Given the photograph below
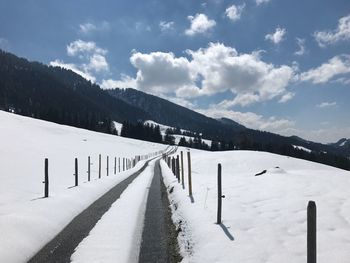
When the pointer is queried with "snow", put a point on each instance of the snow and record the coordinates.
(118, 235)
(187, 138)
(264, 217)
(118, 126)
(343, 143)
(302, 148)
(27, 221)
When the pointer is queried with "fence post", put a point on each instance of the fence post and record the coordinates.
(218, 221)
(76, 172)
(189, 173)
(89, 169)
(99, 166)
(46, 181)
(182, 170)
(123, 164)
(107, 165)
(311, 232)
(178, 169)
(173, 165)
(119, 163)
(115, 165)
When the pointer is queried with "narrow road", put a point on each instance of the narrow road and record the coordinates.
(62, 246)
(159, 237)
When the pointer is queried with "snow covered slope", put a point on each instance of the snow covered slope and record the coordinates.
(264, 217)
(27, 221)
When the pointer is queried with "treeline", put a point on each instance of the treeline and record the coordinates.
(142, 131)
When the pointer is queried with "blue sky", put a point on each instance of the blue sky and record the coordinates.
(281, 66)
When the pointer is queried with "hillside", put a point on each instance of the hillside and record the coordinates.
(27, 221)
(263, 217)
(59, 95)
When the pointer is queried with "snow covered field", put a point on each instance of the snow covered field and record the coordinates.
(27, 221)
(264, 217)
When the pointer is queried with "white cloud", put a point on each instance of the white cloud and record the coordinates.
(301, 44)
(259, 2)
(322, 74)
(217, 68)
(91, 57)
(74, 68)
(276, 37)
(4, 43)
(80, 46)
(286, 97)
(166, 26)
(326, 104)
(89, 28)
(344, 81)
(245, 75)
(252, 120)
(160, 72)
(341, 33)
(124, 83)
(98, 63)
(200, 24)
(234, 12)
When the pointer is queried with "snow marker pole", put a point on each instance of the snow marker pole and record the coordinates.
(107, 165)
(311, 232)
(182, 170)
(99, 166)
(189, 173)
(220, 196)
(46, 181)
(89, 169)
(76, 172)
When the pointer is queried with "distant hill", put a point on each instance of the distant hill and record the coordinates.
(59, 95)
(171, 114)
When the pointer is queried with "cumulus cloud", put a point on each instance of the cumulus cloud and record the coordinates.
(286, 97)
(211, 70)
(252, 120)
(322, 74)
(245, 75)
(124, 83)
(200, 24)
(301, 45)
(83, 47)
(234, 12)
(326, 104)
(277, 36)
(91, 57)
(341, 33)
(166, 26)
(160, 72)
(74, 68)
(259, 2)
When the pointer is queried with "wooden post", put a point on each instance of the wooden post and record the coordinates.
(89, 169)
(311, 232)
(115, 165)
(99, 166)
(178, 168)
(46, 178)
(119, 163)
(218, 221)
(173, 165)
(107, 165)
(182, 170)
(76, 172)
(189, 173)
